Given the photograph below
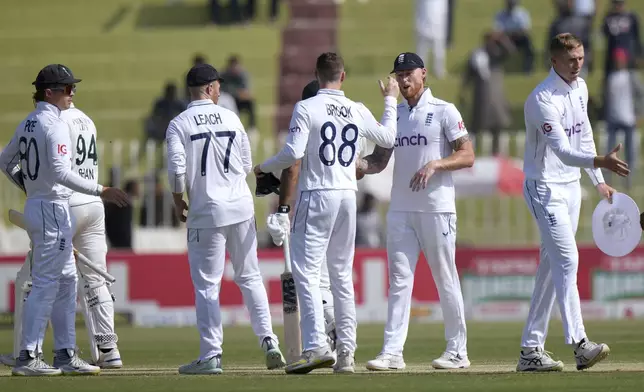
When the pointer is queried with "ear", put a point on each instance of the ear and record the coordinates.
(343, 76)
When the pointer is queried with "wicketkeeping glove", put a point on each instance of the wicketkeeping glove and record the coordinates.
(278, 225)
(266, 184)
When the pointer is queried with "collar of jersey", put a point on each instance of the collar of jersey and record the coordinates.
(560, 83)
(47, 107)
(201, 102)
(330, 91)
(424, 98)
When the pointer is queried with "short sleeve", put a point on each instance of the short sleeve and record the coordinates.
(453, 125)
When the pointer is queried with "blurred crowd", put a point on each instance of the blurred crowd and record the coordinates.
(507, 47)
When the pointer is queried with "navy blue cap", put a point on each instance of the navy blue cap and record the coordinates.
(310, 90)
(55, 74)
(406, 61)
(202, 74)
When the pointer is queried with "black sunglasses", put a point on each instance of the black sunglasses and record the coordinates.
(68, 89)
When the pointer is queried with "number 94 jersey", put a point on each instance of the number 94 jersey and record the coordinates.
(83, 151)
(332, 126)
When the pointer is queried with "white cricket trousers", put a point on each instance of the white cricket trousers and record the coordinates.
(207, 256)
(325, 225)
(53, 275)
(409, 233)
(555, 206)
(96, 299)
(435, 45)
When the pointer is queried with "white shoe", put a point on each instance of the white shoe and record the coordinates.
(346, 362)
(386, 362)
(588, 353)
(110, 359)
(274, 357)
(211, 365)
(68, 361)
(451, 361)
(537, 360)
(34, 366)
(311, 360)
(8, 360)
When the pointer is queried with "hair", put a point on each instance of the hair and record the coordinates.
(233, 59)
(198, 59)
(564, 42)
(329, 66)
(39, 95)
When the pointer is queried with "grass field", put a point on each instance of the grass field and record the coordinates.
(152, 357)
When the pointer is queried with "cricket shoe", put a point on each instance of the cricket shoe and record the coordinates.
(68, 361)
(451, 361)
(8, 360)
(311, 360)
(346, 361)
(211, 365)
(386, 362)
(588, 353)
(274, 357)
(537, 360)
(109, 358)
(31, 365)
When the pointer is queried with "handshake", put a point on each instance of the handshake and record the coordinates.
(278, 225)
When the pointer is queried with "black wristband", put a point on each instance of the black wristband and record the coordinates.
(284, 209)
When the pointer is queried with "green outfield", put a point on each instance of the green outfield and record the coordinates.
(152, 357)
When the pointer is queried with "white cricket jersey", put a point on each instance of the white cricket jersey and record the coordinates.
(84, 151)
(324, 133)
(559, 137)
(424, 134)
(209, 157)
(41, 146)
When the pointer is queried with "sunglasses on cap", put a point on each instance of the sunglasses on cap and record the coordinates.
(67, 89)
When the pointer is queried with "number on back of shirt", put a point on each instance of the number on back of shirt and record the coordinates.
(86, 151)
(204, 153)
(343, 154)
(29, 157)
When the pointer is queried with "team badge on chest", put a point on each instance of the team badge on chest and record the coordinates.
(428, 120)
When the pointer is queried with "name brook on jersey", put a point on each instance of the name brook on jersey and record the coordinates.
(338, 111)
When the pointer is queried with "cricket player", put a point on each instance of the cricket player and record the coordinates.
(289, 180)
(432, 142)
(208, 158)
(323, 133)
(88, 224)
(559, 141)
(38, 160)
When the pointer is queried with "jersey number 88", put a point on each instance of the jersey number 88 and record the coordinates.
(329, 141)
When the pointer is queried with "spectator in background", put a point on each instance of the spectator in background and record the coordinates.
(368, 223)
(622, 31)
(484, 73)
(451, 12)
(431, 33)
(225, 100)
(624, 94)
(164, 110)
(514, 21)
(570, 22)
(118, 221)
(585, 9)
(251, 7)
(236, 83)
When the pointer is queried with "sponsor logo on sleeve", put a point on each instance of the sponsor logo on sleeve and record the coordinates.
(62, 149)
(546, 128)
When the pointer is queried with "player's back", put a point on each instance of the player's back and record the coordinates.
(32, 141)
(217, 161)
(335, 124)
(84, 151)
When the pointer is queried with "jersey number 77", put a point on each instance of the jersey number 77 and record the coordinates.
(204, 154)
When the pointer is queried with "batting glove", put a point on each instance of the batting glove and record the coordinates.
(278, 226)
